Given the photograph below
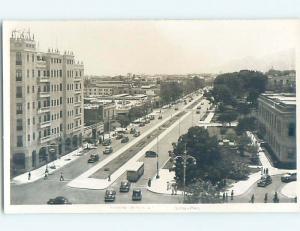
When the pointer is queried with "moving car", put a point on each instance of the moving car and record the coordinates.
(125, 139)
(264, 181)
(151, 117)
(93, 158)
(110, 195)
(199, 107)
(137, 133)
(125, 186)
(147, 121)
(59, 201)
(136, 195)
(160, 117)
(289, 177)
(132, 130)
(142, 124)
(108, 150)
(197, 112)
(106, 142)
(150, 154)
(176, 108)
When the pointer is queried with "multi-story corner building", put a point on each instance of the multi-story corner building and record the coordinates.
(277, 123)
(46, 103)
(282, 83)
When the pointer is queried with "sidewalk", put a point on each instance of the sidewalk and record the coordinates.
(160, 185)
(290, 190)
(52, 167)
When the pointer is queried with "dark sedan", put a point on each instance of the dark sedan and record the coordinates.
(59, 201)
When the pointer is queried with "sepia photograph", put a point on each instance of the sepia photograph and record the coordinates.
(150, 116)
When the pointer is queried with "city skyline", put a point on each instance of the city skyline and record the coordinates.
(170, 47)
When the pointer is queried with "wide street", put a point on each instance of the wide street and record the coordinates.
(40, 191)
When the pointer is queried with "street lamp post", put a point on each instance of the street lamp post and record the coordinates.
(157, 163)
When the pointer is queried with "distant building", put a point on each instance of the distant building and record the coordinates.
(282, 82)
(277, 124)
(46, 103)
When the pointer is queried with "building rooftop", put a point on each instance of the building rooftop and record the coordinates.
(282, 98)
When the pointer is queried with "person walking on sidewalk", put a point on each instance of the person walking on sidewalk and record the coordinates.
(109, 177)
(61, 177)
(252, 199)
(231, 196)
(168, 186)
(267, 171)
(29, 175)
(46, 176)
(266, 198)
(149, 182)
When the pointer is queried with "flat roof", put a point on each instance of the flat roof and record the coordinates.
(284, 98)
(135, 166)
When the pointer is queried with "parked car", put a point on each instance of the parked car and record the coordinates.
(59, 201)
(150, 154)
(176, 108)
(125, 186)
(289, 177)
(108, 150)
(119, 136)
(199, 107)
(264, 181)
(125, 139)
(151, 117)
(93, 158)
(197, 112)
(147, 121)
(110, 195)
(142, 124)
(160, 117)
(137, 133)
(136, 195)
(106, 142)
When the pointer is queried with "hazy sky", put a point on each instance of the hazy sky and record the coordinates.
(120, 47)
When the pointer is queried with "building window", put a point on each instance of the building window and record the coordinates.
(27, 73)
(28, 138)
(18, 58)
(19, 125)
(19, 108)
(32, 57)
(32, 89)
(28, 106)
(28, 89)
(18, 75)
(19, 92)
(39, 73)
(32, 73)
(27, 57)
(19, 141)
(33, 105)
(28, 121)
(291, 131)
(33, 136)
(33, 120)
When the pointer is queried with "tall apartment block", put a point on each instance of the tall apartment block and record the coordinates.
(46, 103)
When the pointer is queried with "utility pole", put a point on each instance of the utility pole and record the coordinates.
(157, 163)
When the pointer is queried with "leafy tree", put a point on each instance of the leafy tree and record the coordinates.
(246, 124)
(170, 91)
(228, 117)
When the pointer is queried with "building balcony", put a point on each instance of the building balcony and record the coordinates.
(77, 104)
(44, 79)
(77, 91)
(45, 139)
(78, 78)
(78, 116)
(44, 94)
(43, 110)
(45, 124)
(76, 129)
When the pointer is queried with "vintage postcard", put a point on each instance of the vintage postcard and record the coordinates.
(150, 116)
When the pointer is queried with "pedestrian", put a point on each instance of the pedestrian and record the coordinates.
(223, 197)
(61, 177)
(109, 177)
(267, 171)
(29, 175)
(46, 171)
(252, 199)
(276, 199)
(226, 196)
(149, 182)
(295, 199)
(264, 171)
(46, 176)
(173, 189)
(231, 195)
(168, 186)
(266, 198)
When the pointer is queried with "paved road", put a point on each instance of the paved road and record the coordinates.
(40, 191)
(259, 192)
